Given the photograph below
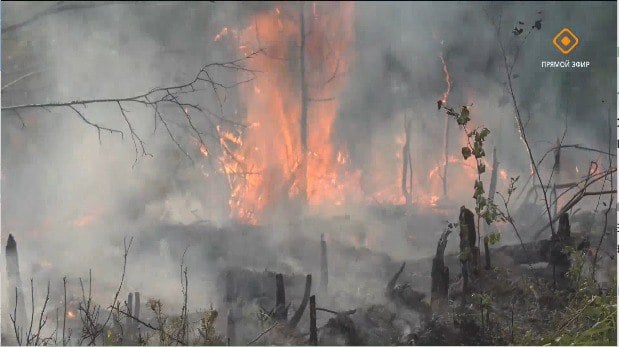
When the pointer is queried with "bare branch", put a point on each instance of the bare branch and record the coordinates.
(155, 97)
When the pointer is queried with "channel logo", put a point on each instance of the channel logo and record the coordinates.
(565, 41)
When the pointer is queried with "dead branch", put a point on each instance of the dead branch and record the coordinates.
(13, 317)
(508, 72)
(346, 313)
(148, 325)
(581, 147)
(21, 78)
(156, 97)
(56, 8)
(394, 279)
(115, 306)
(42, 321)
(578, 196)
(263, 333)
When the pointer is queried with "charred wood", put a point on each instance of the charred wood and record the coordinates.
(440, 275)
(281, 311)
(299, 313)
(404, 294)
(313, 339)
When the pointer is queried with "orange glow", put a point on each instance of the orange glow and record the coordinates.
(70, 314)
(262, 163)
(88, 219)
(447, 80)
(203, 150)
(503, 174)
(221, 34)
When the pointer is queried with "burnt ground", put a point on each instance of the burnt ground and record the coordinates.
(232, 269)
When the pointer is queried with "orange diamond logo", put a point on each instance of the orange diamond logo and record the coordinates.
(565, 41)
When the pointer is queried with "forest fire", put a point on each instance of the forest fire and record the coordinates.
(289, 153)
(265, 163)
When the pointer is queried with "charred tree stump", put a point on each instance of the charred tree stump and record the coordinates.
(558, 256)
(14, 282)
(129, 320)
(487, 253)
(469, 253)
(324, 265)
(313, 339)
(440, 275)
(133, 310)
(299, 313)
(136, 313)
(281, 311)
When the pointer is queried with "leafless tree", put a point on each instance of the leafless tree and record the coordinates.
(156, 98)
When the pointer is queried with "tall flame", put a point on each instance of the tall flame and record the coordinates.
(263, 163)
(447, 80)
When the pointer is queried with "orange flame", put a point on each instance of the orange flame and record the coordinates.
(263, 162)
(447, 80)
(88, 219)
(221, 34)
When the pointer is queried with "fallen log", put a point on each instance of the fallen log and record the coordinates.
(406, 295)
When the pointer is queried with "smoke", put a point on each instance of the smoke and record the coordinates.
(399, 73)
(70, 196)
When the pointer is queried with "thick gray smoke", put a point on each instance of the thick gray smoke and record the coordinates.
(70, 196)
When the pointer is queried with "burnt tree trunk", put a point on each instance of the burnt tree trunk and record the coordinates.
(487, 253)
(133, 309)
(136, 312)
(299, 313)
(440, 275)
(14, 282)
(281, 311)
(557, 174)
(313, 339)
(469, 253)
(324, 265)
(129, 320)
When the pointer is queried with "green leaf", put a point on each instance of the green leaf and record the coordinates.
(479, 189)
(466, 152)
(493, 238)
